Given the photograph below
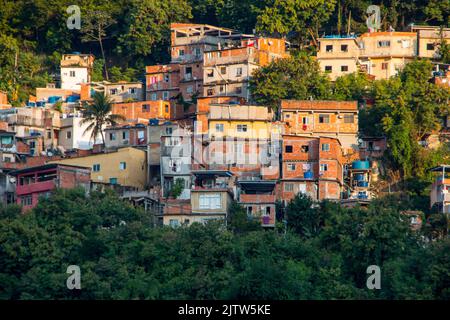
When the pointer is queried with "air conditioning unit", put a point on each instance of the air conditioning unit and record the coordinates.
(125, 142)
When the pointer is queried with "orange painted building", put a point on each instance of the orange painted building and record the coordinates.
(144, 110)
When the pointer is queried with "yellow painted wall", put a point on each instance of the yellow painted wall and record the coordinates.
(135, 174)
(255, 129)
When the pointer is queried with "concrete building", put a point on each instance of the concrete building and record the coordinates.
(121, 91)
(258, 197)
(428, 40)
(126, 135)
(313, 166)
(73, 134)
(35, 182)
(34, 122)
(440, 190)
(211, 195)
(384, 54)
(162, 82)
(338, 55)
(125, 167)
(142, 111)
(227, 71)
(175, 162)
(315, 118)
(76, 69)
(379, 54)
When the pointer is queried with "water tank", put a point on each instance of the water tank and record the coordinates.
(308, 175)
(153, 122)
(73, 98)
(363, 184)
(53, 99)
(360, 165)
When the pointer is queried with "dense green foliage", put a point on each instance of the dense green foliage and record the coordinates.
(323, 255)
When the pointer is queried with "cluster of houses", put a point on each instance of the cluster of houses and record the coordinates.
(193, 142)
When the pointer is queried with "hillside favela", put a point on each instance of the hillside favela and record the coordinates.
(224, 150)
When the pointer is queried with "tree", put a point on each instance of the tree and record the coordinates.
(353, 86)
(98, 115)
(304, 17)
(147, 25)
(94, 28)
(240, 222)
(177, 188)
(297, 77)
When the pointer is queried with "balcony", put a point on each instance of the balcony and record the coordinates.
(36, 187)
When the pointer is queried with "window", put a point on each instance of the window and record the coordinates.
(123, 166)
(145, 108)
(112, 136)
(223, 70)
(324, 118)
(166, 95)
(222, 88)
(430, 46)
(384, 43)
(384, 66)
(69, 135)
(169, 130)
(174, 223)
(113, 180)
(113, 91)
(288, 149)
(96, 167)
(124, 135)
(305, 120)
(153, 80)
(344, 68)
(181, 52)
(32, 144)
(324, 167)
(267, 212)
(49, 134)
(238, 72)
(166, 77)
(189, 89)
(131, 90)
(344, 48)
(140, 135)
(219, 127)
(210, 73)
(173, 141)
(26, 200)
(241, 128)
(329, 48)
(291, 166)
(210, 201)
(166, 109)
(239, 90)
(289, 187)
(325, 147)
(349, 118)
(72, 74)
(197, 52)
(154, 97)
(328, 68)
(305, 149)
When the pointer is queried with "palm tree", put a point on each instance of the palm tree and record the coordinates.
(98, 114)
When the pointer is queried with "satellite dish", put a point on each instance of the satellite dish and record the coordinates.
(12, 179)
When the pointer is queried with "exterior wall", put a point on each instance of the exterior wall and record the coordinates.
(225, 201)
(123, 91)
(82, 75)
(145, 110)
(125, 136)
(72, 134)
(429, 35)
(293, 112)
(134, 175)
(160, 79)
(337, 56)
(65, 177)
